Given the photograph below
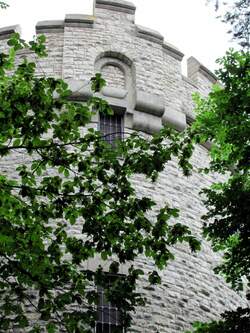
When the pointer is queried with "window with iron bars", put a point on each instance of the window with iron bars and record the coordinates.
(111, 127)
(108, 315)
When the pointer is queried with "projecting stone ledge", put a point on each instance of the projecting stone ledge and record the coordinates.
(50, 26)
(116, 5)
(6, 32)
(71, 20)
(149, 34)
(174, 119)
(79, 20)
(173, 51)
(149, 103)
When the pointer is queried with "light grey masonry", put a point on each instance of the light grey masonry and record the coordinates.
(150, 91)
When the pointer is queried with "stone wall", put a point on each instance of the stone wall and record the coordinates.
(149, 88)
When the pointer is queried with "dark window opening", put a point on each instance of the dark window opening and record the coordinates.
(106, 328)
(108, 315)
(111, 126)
(108, 318)
(189, 120)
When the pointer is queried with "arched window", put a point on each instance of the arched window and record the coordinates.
(117, 70)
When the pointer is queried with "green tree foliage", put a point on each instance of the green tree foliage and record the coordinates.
(3, 5)
(231, 322)
(237, 14)
(73, 180)
(224, 120)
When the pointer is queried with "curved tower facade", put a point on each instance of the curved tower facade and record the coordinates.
(147, 90)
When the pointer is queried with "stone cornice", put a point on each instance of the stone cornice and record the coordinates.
(71, 20)
(173, 51)
(50, 26)
(206, 72)
(6, 32)
(149, 34)
(117, 5)
(79, 20)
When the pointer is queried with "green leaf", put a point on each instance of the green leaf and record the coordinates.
(51, 328)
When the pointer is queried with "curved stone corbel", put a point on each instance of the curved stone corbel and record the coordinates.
(149, 103)
(145, 122)
(174, 119)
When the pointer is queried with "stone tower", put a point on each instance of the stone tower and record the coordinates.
(147, 90)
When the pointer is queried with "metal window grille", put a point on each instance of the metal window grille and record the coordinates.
(190, 120)
(111, 126)
(108, 315)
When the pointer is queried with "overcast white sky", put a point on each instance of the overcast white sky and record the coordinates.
(188, 24)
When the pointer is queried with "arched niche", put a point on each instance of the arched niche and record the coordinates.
(114, 75)
(119, 72)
